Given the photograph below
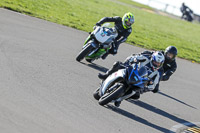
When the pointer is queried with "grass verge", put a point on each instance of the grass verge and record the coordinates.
(150, 30)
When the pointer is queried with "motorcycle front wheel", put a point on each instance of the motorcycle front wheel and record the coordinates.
(84, 52)
(112, 95)
(96, 94)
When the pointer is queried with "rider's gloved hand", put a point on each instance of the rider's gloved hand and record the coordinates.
(133, 60)
(94, 27)
(141, 60)
(98, 24)
(136, 60)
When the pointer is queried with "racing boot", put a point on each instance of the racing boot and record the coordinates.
(105, 55)
(144, 90)
(104, 76)
(115, 67)
(117, 103)
(136, 96)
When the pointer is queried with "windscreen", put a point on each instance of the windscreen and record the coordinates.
(109, 28)
(142, 72)
(108, 25)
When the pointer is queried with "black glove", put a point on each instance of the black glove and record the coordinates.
(141, 60)
(94, 27)
(98, 24)
(165, 78)
(135, 60)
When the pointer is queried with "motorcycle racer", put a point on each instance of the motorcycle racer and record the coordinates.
(153, 63)
(123, 27)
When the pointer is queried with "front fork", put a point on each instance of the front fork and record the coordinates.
(99, 51)
(87, 39)
(91, 42)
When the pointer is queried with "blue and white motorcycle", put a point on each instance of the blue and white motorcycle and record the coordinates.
(122, 84)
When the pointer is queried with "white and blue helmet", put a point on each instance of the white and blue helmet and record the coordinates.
(157, 60)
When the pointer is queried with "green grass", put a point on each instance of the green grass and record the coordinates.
(150, 30)
(133, 3)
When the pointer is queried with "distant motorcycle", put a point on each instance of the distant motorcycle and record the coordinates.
(98, 43)
(188, 15)
(122, 84)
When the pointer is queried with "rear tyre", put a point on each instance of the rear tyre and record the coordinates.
(109, 96)
(96, 94)
(84, 52)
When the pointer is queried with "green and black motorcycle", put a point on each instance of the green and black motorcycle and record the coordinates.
(98, 43)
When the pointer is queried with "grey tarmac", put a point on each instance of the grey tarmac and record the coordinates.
(43, 89)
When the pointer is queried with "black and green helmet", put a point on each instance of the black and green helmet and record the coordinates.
(127, 20)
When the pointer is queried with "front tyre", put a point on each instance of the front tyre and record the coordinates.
(84, 52)
(89, 60)
(96, 94)
(109, 96)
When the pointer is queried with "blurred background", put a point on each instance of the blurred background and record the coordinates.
(173, 6)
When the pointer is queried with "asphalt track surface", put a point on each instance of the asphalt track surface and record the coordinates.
(44, 90)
